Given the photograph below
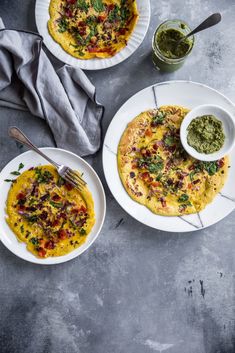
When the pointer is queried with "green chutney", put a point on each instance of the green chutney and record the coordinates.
(167, 43)
(206, 134)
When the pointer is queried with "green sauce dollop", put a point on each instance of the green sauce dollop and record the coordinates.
(206, 134)
(167, 43)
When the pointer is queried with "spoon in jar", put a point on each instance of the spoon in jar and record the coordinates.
(207, 23)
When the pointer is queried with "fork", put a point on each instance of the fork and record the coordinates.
(71, 176)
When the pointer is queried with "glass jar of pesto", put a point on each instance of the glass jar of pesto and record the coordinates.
(167, 55)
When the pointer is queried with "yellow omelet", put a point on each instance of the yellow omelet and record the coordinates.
(92, 28)
(157, 172)
(47, 213)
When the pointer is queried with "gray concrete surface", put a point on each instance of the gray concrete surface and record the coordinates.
(137, 290)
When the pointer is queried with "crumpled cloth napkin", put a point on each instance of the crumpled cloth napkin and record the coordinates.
(66, 99)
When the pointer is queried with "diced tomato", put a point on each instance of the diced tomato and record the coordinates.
(62, 234)
(55, 223)
(122, 31)
(50, 245)
(110, 7)
(71, 1)
(20, 196)
(92, 49)
(74, 210)
(41, 252)
(145, 175)
(68, 186)
(155, 183)
(21, 207)
(82, 24)
(56, 197)
(101, 18)
(155, 146)
(82, 209)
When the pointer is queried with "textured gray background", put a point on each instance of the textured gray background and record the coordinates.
(136, 290)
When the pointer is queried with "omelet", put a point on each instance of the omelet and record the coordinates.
(92, 28)
(158, 173)
(47, 213)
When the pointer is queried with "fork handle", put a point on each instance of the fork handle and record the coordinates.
(18, 135)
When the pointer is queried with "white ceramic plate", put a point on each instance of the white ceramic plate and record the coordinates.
(190, 95)
(137, 37)
(30, 159)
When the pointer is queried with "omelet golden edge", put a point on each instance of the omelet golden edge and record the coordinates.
(87, 29)
(47, 213)
(158, 173)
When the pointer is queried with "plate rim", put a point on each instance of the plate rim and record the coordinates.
(169, 82)
(80, 63)
(61, 259)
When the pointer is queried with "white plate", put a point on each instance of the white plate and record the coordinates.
(137, 37)
(190, 95)
(30, 159)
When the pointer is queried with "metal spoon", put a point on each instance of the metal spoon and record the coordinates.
(209, 22)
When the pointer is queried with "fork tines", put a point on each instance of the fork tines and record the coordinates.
(74, 178)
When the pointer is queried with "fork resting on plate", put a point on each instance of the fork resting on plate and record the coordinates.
(70, 175)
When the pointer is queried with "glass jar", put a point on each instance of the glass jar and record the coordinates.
(163, 60)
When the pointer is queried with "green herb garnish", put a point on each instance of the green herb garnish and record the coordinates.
(63, 25)
(43, 177)
(82, 5)
(210, 167)
(82, 231)
(21, 165)
(56, 204)
(183, 198)
(34, 241)
(22, 228)
(32, 219)
(169, 140)
(155, 167)
(98, 5)
(159, 118)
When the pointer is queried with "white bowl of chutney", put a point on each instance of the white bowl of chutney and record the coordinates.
(228, 127)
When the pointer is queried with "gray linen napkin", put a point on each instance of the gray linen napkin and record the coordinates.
(65, 99)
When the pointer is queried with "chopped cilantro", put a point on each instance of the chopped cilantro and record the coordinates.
(22, 228)
(114, 14)
(155, 167)
(210, 167)
(191, 175)
(15, 172)
(34, 241)
(63, 25)
(169, 140)
(183, 198)
(82, 5)
(32, 219)
(56, 204)
(21, 165)
(82, 231)
(98, 5)
(159, 118)
(43, 177)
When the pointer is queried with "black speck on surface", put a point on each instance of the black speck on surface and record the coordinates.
(202, 289)
(120, 222)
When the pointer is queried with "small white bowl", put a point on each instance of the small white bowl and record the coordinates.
(228, 127)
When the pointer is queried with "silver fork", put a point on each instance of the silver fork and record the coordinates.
(65, 172)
